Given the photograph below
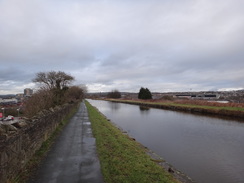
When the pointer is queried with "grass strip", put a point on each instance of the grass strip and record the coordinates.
(33, 163)
(205, 106)
(181, 105)
(123, 159)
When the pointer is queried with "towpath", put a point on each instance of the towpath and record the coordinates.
(73, 157)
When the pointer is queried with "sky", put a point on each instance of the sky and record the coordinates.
(164, 45)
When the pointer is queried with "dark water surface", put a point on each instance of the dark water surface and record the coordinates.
(209, 150)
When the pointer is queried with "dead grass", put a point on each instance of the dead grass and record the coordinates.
(190, 102)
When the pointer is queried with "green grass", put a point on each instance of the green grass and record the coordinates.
(33, 163)
(122, 159)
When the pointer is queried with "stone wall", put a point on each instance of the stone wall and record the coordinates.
(19, 141)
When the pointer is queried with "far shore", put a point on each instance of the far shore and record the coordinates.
(226, 110)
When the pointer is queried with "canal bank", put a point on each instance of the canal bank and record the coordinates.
(207, 149)
(223, 112)
(123, 159)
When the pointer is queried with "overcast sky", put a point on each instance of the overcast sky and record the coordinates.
(164, 45)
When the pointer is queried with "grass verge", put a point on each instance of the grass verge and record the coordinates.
(122, 159)
(33, 163)
(206, 107)
(221, 110)
(168, 103)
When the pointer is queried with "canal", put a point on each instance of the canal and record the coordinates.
(209, 150)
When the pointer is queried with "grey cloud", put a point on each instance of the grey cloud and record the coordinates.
(14, 74)
(165, 45)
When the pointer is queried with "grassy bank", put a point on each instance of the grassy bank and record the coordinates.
(188, 103)
(203, 107)
(34, 162)
(123, 159)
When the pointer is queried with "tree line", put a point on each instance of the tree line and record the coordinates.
(54, 89)
(144, 93)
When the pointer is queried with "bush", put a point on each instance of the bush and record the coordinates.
(74, 93)
(114, 94)
(55, 90)
(144, 93)
(167, 97)
(42, 99)
(45, 99)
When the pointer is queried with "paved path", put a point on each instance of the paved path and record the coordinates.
(72, 158)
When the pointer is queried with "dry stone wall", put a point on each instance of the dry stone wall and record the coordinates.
(19, 141)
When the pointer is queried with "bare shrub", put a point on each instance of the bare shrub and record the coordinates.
(54, 90)
(114, 94)
(74, 93)
(167, 97)
(42, 99)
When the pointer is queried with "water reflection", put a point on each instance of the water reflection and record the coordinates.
(114, 106)
(207, 149)
(144, 109)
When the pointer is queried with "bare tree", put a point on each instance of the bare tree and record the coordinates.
(53, 80)
(55, 90)
(114, 94)
(56, 82)
(74, 93)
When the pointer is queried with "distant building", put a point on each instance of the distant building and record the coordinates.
(28, 92)
(199, 96)
(8, 101)
(183, 96)
(206, 96)
(19, 95)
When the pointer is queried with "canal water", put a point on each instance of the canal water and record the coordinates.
(209, 150)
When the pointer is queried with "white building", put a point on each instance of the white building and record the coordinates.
(28, 92)
(8, 101)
